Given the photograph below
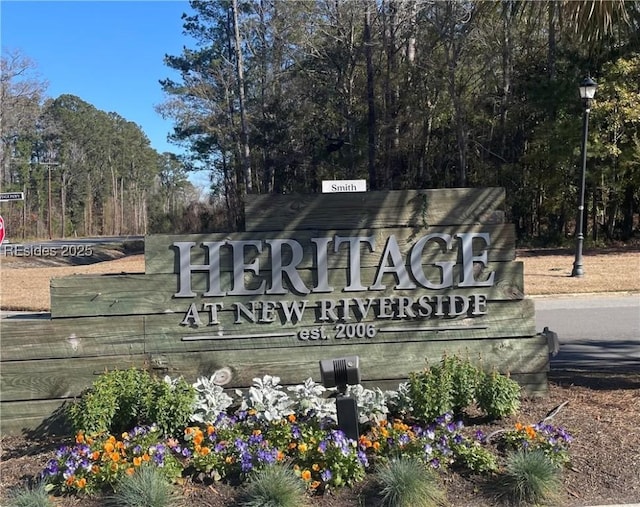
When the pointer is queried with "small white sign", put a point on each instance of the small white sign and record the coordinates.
(336, 186)
(11, 196)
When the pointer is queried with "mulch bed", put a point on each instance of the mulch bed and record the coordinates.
(602, 414)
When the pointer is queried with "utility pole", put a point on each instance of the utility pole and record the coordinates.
(49, 164)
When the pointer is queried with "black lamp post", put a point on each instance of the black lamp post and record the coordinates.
(587, 92)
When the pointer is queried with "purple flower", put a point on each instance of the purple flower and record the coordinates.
(362, 457)
(326, 475)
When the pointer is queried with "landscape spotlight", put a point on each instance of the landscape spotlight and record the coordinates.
(340, 373)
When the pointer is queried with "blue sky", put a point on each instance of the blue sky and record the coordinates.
(108, 53)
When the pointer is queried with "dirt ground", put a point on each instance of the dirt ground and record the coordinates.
(603, 410)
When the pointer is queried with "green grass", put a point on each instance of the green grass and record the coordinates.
(147, 487)
(530, 478)
(274, 486)
(406, 482)
(35, 496)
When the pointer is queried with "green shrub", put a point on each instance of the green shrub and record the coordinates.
(121, 399)
(430, 394)
(146, 487)
(36, 496)
(448, 387)
(498, 395)
(530, 477)
(406, 482)
(274, 486)
(465, 378)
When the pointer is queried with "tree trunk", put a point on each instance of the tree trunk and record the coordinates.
(371, 104)
(246, 150)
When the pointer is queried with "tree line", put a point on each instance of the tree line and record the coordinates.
(275, 96)
(83, 171)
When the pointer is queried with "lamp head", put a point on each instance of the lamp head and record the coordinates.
(340, 372)
(588, 89)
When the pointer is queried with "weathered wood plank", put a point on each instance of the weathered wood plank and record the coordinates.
(53, 379)
(33, 418)
(412, 208)
(165, 335)
(48, 379)
(112, 336)
(84, 337)
(377, 361)
(92, 295)
(162, 257)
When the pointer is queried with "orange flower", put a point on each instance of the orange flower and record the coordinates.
(315, 467)
(81, 483)
(519, 426)
(376, 446)
(256, 433)
(228, 460)
(109, 447)
(398, 425)
(302, 447)
(95, 469)
(292, 418)
(204, 451)
(70, 480)
(306, 475)
(130, 471)
(115, 457)
(80, 438)
(315, 484)
(95, 455)
(293, 445)
(280, 456)
(114, 467)
(146, 457)
(531, 433)
(210, 430)
(137, 461)
(188, 431)
(197, 440)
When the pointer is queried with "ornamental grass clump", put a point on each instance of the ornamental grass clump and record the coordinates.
(406, 482)
(146, 487)
(30, 496)
(530, 477)
(274, 486)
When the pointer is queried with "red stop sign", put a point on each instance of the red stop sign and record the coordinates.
(1, 229)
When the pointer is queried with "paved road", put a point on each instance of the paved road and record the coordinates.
(595, 332)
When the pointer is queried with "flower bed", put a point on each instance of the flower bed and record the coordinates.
(269, 424)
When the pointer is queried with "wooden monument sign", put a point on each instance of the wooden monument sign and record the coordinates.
(396, 278)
